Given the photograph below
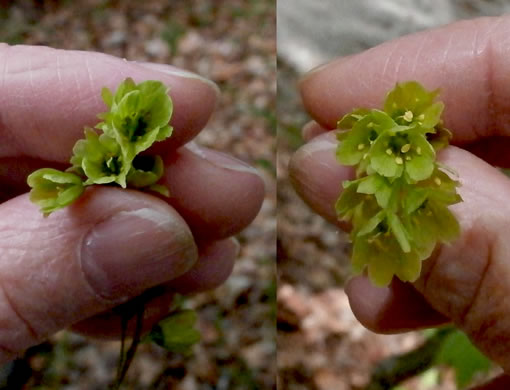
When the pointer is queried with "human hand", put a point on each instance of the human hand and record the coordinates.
(111, 245)
(467, 282)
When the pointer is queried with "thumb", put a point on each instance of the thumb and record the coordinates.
(467, 281)
(106, 248)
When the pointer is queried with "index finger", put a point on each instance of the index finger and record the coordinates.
(467, 60)
(47, 96)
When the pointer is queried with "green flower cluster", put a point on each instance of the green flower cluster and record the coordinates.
(138, 116)
(398, 203)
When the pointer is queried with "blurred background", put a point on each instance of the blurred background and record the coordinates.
(233, 43)
(321, 346)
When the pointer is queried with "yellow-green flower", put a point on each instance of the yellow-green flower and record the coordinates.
(138, 116)
(53, 189)
(398, 203)
(101, 159)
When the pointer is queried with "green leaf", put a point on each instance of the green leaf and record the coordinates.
(374, 253)
(422, 233)
(409, 267)
(378, 186)
(177, 332)
(399, 231)
(458, 352)
(369, 184)
(431, 114)
(414, 198)
(107, 96)
(372, 223)
(348, 200)
(442, 189)
(444, 221)
(382, 264)
(53, 189)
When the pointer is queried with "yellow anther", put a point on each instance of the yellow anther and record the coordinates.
(361, 146)
(405, 148)
(418, 151)
(408, 116)
(389, 152)
(365, 156)
(370, 125)
(437, 180)
(421, 117)
(408, 158)
(399, 160)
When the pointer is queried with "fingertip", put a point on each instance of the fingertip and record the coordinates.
(217, 194)
(77, 78)
(317, 176)
(394, 309)
(215, 264)
(175, 71)
(311, 130)
(466, 60)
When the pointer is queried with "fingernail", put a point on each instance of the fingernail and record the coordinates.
(322, 143)
(135, 250)
(221, 160)
(174, 71)
(236, 245)
(311, 72)
(319, 69)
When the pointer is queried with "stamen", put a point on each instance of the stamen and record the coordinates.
(418, 151)
(365, 156)
(399, 160)
(408, 116)
(370, 125)
(405, 148)
(421, 117)
(408, 158)
(437, 180)
(389, 152)
(361, 146)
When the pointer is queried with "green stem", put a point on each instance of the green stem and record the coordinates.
(391, 371)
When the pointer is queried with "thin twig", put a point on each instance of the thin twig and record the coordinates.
(133, 347)
(124, 324)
